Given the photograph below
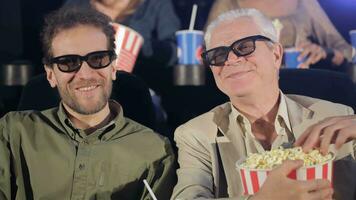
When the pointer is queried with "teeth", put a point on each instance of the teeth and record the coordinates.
(87, 88)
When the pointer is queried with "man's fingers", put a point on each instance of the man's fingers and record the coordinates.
(303, 66)
(314, 185)
(316, 57)
(344, 136)
(313, 139)
(331, 133)
(287, 166)
(323, 194)
(304, 53)
(115, 26)
(302, 137)
(316, 53)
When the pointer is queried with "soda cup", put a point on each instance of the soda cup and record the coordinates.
(291, 58)
(190, 46)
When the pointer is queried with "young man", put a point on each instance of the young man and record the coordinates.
(245, 60)
(85, 148)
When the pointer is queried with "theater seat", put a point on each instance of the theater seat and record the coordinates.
(183, 103)
(130, 91)
(328, 85)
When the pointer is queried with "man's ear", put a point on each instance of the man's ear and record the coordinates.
(50, 76)
(114, 69)
(278, 54)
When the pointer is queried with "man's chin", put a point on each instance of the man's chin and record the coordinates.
(240, 91)
(87, 107)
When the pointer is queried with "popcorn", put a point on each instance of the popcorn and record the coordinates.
(270, 159)
(255, 168)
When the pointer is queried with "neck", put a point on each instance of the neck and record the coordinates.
(257, 106)
(91, 121)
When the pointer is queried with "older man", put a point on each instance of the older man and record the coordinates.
(85, 148)
(245, 60)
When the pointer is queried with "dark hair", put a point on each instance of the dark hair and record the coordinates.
(69, 17)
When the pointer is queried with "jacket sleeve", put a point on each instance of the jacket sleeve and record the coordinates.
(5, 185)
(195, 179)
(195, 176)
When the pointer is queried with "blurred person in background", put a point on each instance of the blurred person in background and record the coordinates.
(304, 25)
(155, 20)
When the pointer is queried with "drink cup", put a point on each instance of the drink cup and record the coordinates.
(353, 43)
(190, 46)
(291, 58)
(128, 44)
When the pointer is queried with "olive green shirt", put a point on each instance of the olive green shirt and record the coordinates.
(43, 156)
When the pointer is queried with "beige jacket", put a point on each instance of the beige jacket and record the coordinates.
(207, 157)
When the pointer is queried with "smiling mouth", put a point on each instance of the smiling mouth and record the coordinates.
(88, 88)
(238, 74)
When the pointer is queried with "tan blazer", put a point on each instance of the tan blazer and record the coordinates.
(207, 157)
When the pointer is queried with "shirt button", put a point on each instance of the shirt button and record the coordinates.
(82, 166)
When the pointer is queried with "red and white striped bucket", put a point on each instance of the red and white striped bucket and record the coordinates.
(128, 44)
(253, 179)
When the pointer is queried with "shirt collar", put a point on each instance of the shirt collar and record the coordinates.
(281, 121)
(103, 133)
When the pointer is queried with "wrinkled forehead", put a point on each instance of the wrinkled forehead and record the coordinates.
(225, 33)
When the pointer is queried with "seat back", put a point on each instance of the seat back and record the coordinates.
(328, 85)
(183, 103)
(130, 91)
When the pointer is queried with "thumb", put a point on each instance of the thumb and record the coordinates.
(288, 166)
(115, 26)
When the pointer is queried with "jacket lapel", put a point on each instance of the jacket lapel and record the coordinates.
(300, 117)
(228, 154)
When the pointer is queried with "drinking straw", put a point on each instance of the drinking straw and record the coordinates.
(149, 189)
(192, 17)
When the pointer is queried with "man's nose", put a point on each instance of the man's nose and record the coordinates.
(232, 58)
(85, 70)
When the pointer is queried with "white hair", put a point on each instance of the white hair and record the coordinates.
(263, 23)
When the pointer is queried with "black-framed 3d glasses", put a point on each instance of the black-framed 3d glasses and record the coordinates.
(242, 47)
(71, 63)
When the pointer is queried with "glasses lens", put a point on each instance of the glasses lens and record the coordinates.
(243, 48)
(99, 59)
(68, 63)
(218, 56)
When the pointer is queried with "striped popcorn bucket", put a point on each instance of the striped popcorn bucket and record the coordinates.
(253, 179)
(128, 44)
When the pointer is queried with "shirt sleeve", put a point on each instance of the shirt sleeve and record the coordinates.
(5, 185)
